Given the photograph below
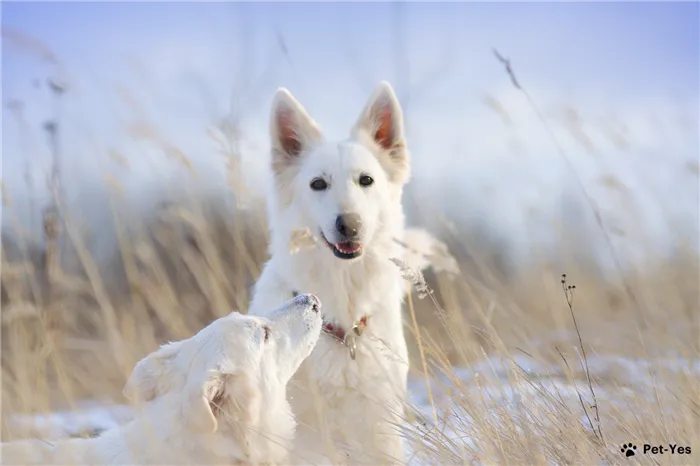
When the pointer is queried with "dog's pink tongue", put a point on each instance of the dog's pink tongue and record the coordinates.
(348, 246)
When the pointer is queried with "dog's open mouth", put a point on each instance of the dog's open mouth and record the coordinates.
(345, 249)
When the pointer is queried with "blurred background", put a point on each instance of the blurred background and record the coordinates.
(616, 84)
(546, 138)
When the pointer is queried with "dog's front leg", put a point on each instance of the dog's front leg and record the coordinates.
(379, 434)
(390, 442)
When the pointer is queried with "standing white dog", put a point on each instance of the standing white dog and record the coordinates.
(218, 397)
(350, 392)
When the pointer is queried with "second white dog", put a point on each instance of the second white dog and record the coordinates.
(218, 397)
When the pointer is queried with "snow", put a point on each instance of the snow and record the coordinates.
(497, 388)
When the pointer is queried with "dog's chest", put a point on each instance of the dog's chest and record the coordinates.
(348, 389)
(350, 293)
(371, 295)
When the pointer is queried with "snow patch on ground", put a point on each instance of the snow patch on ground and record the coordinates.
(497, 389)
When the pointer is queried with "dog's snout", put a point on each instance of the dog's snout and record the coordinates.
(348, 225)
(315, 303)
(310, 299)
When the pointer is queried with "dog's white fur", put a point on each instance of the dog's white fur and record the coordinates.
(356, 404)
(218, 397)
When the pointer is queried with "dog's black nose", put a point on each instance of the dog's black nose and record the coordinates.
(348, 225)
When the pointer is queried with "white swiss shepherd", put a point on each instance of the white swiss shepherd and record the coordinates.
(216, 398)
(349, 394)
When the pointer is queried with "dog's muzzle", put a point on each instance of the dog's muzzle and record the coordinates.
(344, 249)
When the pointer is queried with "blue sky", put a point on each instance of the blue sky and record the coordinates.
(597, 70)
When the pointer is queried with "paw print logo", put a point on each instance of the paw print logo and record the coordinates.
(628, 449)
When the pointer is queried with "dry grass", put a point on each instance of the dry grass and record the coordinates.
(68, 336)
(498, 350)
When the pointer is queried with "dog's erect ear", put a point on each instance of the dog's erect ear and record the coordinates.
(224, 398)
(382, 118)
(152, 376)
(291, 128)
(382, 121)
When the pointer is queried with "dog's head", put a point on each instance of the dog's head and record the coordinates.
(234, 372)
(344, 191)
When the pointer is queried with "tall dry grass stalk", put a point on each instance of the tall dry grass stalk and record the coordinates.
(470, 341)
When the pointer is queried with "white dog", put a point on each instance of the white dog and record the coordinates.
(349, 394)
(218, 397)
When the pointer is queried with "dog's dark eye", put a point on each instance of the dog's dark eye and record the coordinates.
(366, 180)
(319, 184)
(266, 329)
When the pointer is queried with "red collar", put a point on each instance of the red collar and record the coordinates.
(339, 333)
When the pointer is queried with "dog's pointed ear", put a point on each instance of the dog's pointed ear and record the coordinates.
(230, 398)
(382, 122)
(291, 128)
(151, 376)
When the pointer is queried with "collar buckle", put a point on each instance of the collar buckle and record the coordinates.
(350, 341)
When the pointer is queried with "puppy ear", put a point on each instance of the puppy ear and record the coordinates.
(291, 128)
(152, 376)
(224, 398)
(382, 122)
(203, 401)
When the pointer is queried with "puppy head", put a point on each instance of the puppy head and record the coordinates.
(233, 369)
(294, 330)
(345, 189)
